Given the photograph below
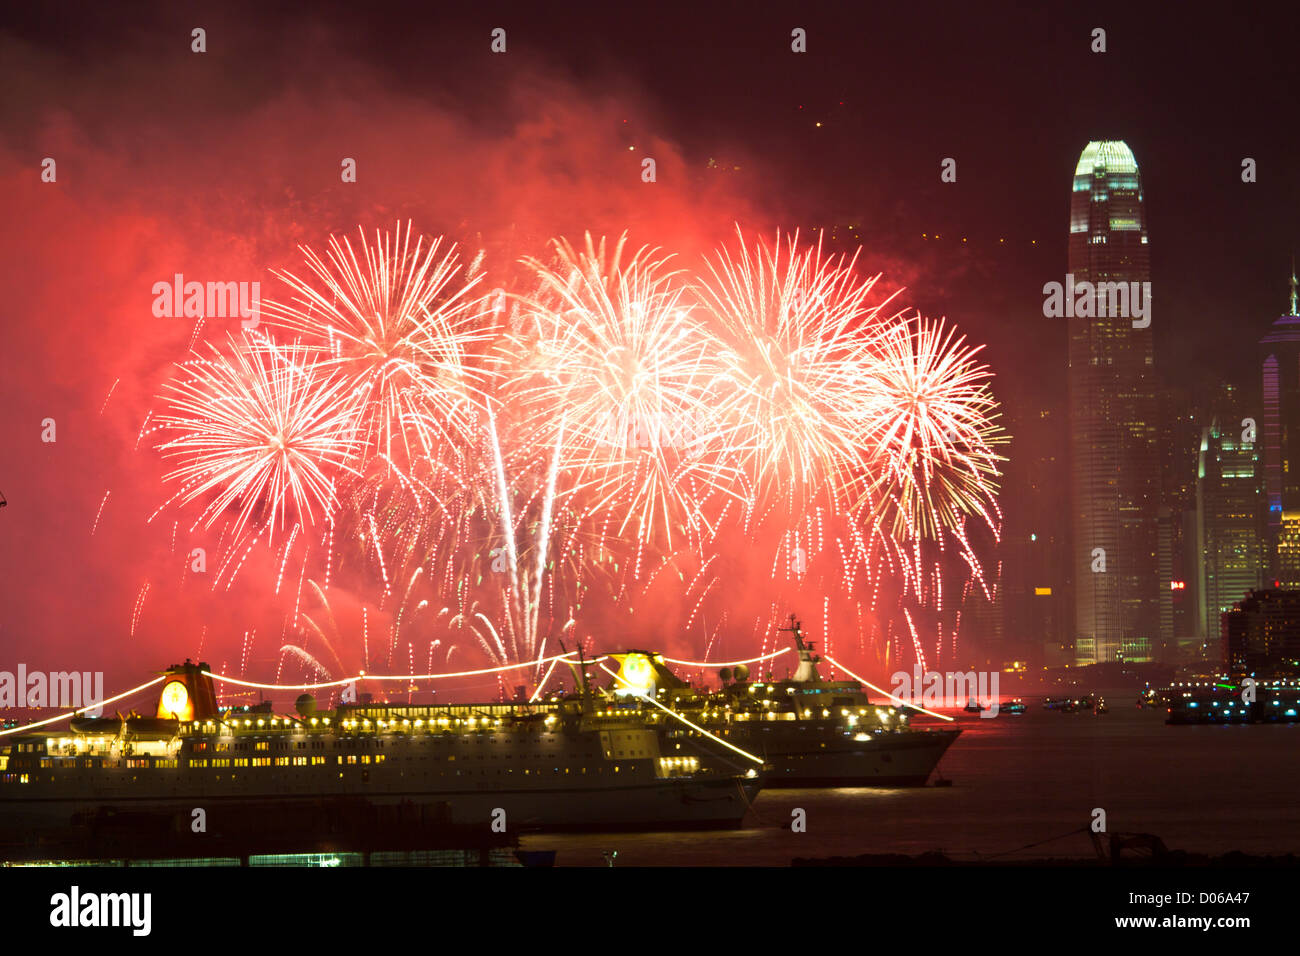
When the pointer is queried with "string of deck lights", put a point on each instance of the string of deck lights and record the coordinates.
(73, 713)
(880, 690)
(342, 682)
(552, 660)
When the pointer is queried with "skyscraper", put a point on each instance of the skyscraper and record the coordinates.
(1229, 512)
(1281, 425)
(1114, 460)
(1034, 546)
(1261, 635)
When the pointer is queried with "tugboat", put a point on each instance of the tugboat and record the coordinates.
(811, 732)
(560, 765)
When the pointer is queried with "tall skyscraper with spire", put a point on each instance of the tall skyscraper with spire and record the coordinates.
(1114, 458)
(1280, 353)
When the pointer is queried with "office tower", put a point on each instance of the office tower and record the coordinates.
(1034, 586)
(1229, 513)
(1261, 635)
(1281, 424)
(1287, 554)
(1181, 424)
(1114, 461)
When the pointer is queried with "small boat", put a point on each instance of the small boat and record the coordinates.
(1101, 707)
(1013, 706)
(973, 707)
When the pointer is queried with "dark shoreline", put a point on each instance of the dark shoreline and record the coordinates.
(1171, 858)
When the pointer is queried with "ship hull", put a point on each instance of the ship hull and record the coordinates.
(823, 757)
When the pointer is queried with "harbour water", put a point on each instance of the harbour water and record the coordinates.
(1018, 780)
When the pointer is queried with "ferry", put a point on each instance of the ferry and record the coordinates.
(510, 767)
(811, 732)
(1223, 701)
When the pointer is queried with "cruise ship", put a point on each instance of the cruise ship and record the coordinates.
(811, 732)
(561, 765)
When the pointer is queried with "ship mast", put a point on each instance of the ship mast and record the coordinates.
(807, 672)
(580, 678)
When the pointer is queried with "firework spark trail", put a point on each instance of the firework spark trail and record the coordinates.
(916, 640)
(312, 663)
(139, 607)
(143, 426)
(544, 538)
(109, 395)
(103, 501)
(379, 551)
(284, 563)
(194, 333)
(248, 646)
(401, 610)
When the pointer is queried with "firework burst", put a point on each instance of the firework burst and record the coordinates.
(399, 323)
(798, 341)
(264, 428)
(929, 425)
(632, 435)
(627, 364)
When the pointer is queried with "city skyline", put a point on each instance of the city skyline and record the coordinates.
(747, 132)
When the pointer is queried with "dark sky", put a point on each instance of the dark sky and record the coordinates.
(170, 161)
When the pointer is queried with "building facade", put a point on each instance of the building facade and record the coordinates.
(1261, 635)
(1114, 459)
(1038, 617)
(1280, 365)
(1229, 518)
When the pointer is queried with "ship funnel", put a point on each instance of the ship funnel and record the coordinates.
(187, 693)
(643, 672)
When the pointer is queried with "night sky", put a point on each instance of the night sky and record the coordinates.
(219, 164)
